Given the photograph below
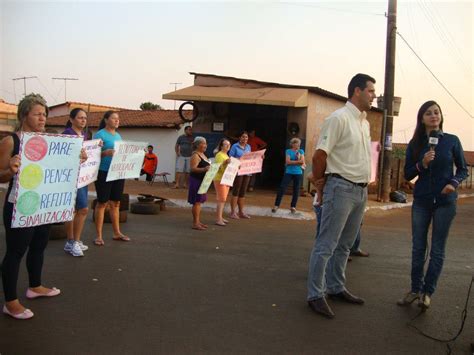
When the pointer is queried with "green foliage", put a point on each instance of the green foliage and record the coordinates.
(399, 153)
(150, 106)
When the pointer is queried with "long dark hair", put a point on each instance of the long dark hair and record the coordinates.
(107, 114)
(73, 115)
(419, 136)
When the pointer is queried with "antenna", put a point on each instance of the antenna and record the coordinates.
(65, 86)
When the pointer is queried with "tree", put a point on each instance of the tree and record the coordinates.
(150, 106)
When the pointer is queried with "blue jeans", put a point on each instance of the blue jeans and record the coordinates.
(344, 205)
(422, 215)
(284, 184)
(319, 212)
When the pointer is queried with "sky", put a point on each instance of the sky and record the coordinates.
(125, 53)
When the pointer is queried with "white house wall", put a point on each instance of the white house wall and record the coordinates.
(163, 142)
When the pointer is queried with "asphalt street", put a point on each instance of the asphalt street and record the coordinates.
(237, 289)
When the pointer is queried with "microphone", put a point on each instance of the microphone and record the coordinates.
(433, 139)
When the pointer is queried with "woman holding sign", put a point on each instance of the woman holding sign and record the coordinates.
(76, 126)
(199, 166)
(294, 166)
(32, 113)
(108, 192)
(241, 182)
(221, 190)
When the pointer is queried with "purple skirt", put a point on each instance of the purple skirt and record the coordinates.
(193, 196)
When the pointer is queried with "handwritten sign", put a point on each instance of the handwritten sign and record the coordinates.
(90, 168)
(251, 163)
(207, 181)
(47, 179)
(230, 172)
(374, 152)
(127, 160)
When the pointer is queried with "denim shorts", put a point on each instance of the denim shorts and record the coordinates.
(183, 165)
(81, 198)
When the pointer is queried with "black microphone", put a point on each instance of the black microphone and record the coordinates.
(433, 139)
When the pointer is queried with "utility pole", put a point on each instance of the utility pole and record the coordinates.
(65, 86)
(24, 78)
(175, 88)
(388, 98)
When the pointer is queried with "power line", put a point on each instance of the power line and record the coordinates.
(434, 76)
(333, 9)
(46, 88)
(175, 88)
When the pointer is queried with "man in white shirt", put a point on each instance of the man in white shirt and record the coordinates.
(341, 163)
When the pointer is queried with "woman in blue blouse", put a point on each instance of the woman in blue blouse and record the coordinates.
(241, 182)
(294, 166)
(434, 198)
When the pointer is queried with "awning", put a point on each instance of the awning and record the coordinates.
(260, 96)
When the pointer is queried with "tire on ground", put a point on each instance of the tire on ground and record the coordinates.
(144, 208)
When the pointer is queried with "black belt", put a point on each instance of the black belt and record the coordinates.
(337, 176)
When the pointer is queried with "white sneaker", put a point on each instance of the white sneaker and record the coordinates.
(68, 246)
(76, 250)
(83, 247)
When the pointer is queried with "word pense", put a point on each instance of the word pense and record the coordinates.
(45, 190)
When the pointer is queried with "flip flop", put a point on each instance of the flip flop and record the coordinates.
(220, 224)
(199, 228)
(99, 242)
(122, 238)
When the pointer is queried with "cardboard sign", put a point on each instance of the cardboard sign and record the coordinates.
(251, 163)
(374, 152)
(45, 190)
(207, 181)
(230, 172)
(127, 160)
(90, 168)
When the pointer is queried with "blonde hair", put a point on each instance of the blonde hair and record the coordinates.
(25, 106)
(295, 140)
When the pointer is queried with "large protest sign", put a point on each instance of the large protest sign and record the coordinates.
(207, 181)
(127, 160)
(230, 172)
(45, 190)
(374, 152)
(90, 168)
(251, 163)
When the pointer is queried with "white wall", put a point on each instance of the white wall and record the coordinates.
(163, 142)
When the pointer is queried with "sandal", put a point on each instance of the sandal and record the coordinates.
(199, 228)
(122, 238)
(99, 242)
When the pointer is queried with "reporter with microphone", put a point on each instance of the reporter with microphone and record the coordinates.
(430, 156)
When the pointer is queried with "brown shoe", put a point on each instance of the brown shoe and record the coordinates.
(346, 296)
(361, 253)
(319, 305)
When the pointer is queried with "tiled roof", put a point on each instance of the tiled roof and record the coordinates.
(70, 103)
(131, 118)
(5, 107)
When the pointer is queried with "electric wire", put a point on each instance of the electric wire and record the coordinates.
(47, 90)
(434, 76)
(332, 8)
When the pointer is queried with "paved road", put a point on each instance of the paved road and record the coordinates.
(238, 289)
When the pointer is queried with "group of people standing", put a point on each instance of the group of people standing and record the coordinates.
(341, 172)
(200, 164)
(32, 114)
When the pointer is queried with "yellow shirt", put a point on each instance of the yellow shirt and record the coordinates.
(220, 158)
(345, 137)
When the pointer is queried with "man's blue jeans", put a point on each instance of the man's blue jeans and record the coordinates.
(422, 214)
(344, 205)
(318, 209)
